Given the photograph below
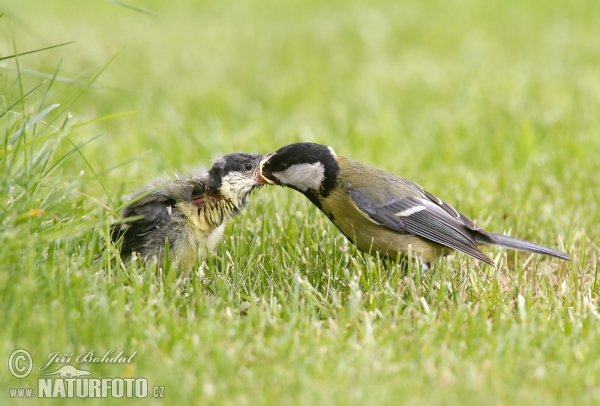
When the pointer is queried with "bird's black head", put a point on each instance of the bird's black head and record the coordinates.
(238, 172)
(309, 168)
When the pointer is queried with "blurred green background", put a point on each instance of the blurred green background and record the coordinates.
(492, 106)
(475, 86)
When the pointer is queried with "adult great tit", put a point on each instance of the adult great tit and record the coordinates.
(382, 212)
(188, 212)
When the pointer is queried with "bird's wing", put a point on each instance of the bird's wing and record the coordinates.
(150, 218)
(427, 217)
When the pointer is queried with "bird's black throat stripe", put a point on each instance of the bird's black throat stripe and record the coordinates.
(220, 212)
(331, 173)
(313, 197)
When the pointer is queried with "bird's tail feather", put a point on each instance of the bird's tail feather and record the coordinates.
(520, 245)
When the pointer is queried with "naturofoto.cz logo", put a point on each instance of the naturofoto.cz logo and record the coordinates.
(68, 381)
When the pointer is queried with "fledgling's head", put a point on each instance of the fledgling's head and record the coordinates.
(235, 175)
(304, 166)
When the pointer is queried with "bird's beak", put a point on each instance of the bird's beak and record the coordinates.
(262, 179)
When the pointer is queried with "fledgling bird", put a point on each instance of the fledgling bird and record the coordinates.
(188, 212)
(382, 212)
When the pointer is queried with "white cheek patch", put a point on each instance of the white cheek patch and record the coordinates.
(302, 176)
(234, 186)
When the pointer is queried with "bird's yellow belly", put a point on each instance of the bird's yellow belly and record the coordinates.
(372, 238)
(196, 244)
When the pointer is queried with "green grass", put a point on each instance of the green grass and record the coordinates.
(493, 107)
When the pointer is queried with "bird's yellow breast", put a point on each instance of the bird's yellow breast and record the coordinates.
(200, 235)
(369, 236)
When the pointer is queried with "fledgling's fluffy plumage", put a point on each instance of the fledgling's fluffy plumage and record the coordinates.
(188, 212)
(382, 212)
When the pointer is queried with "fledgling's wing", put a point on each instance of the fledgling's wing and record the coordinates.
(427, 217)
(153, 217)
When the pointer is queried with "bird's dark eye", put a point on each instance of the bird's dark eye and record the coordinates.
(283, 166)
(248, 166)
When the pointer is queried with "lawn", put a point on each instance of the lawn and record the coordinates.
(493, 107)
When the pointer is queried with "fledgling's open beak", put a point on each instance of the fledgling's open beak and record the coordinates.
(262, 180)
